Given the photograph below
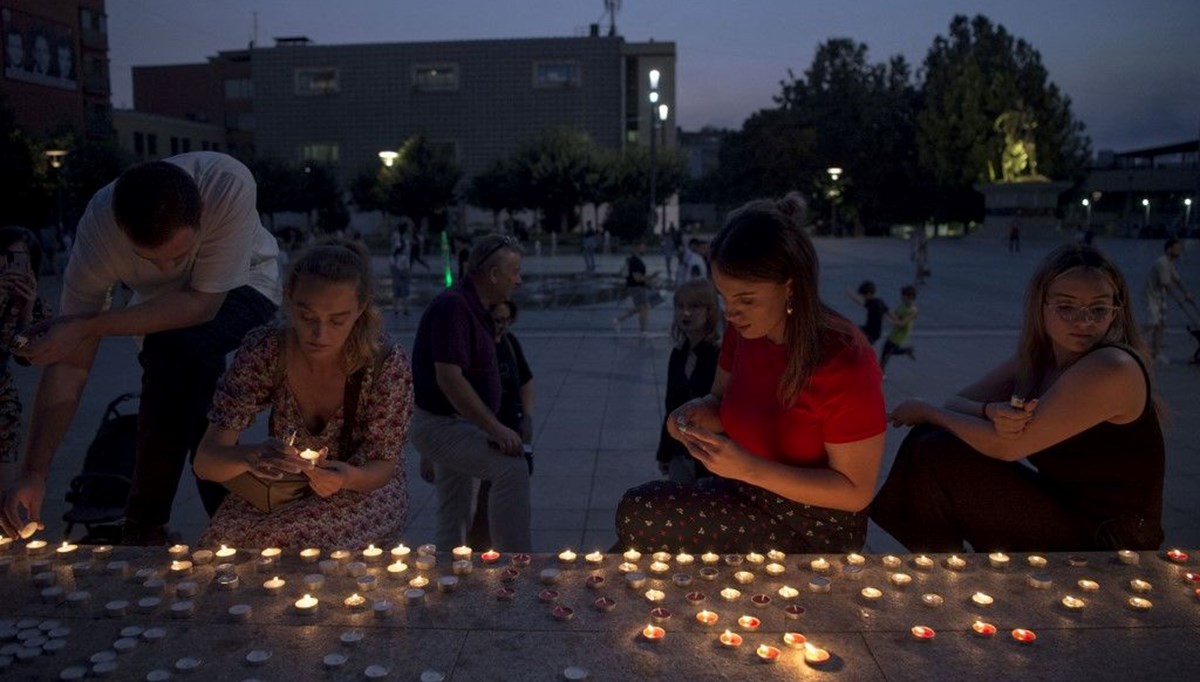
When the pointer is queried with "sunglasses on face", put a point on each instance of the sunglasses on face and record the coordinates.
(1088, 313)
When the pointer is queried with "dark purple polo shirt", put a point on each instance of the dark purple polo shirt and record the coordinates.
(455, 329)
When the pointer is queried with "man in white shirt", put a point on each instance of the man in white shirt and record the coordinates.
(184, 235)
(1164, 280)
(695, 265)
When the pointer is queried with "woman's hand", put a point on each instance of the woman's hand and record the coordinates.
(1009, 421)
(22, 287)
(273, 459)
(700, 413)
(328, 478)
(719, 454)
(910, 413)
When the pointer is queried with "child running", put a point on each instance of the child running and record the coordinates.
(902, 324)
(876, 309)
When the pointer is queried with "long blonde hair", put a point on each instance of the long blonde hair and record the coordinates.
(702, 291)
(344, 262)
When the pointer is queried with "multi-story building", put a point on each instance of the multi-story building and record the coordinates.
(150, 136)
(56, 66)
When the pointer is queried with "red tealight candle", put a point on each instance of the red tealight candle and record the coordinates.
(520, 559)
(490, 557)
(793, 611)
(1190, 577)
(505, 594)
(767, 654)
(653, 633)
(594, 581)
(760, 600)
(795, 640)
(563, 613)
(983, 629)
(548, 595)
(815, 655)
(1024, 636)
(694, 597)
(660, 614)
(749, 623)
(604, 604)
(1177, 555)
(707, 617)
(731, 639)
(923, 632)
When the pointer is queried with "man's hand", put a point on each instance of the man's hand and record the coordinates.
(23, 505)
(508, 441)
(328, 478)
(53, 340)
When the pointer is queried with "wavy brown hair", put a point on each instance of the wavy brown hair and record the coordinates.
(1035, 352)
(344, 262)
(702, 291)
(764, 241)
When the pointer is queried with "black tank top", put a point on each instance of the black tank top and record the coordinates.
(1112, 475)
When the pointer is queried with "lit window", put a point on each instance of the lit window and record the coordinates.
(316, 81)
(557, 74)
(323, 152)
(435, 77)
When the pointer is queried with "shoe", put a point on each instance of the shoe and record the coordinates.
(139, 535)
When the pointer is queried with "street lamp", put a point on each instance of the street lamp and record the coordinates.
(1087, 205)
(1187, 213)
(1146, 211)
(663, 112)
(834, 173)
(388, 157)
(656, 110)
(56, 157)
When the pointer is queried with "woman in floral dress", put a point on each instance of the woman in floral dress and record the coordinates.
(305, 371)
(20, 306)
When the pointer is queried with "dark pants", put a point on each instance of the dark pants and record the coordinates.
(180, 368)
(941, 493)
(720, 515)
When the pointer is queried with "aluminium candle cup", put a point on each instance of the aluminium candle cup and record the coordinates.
(593, 559)
(660, 568)
(373, 554)
(520, 560)
(694, 598)
(654, 596)
(425, 562)
(240, 613)
(397, 570)
(1140, 586)
(356, 569)
(567, 558)
(313, 582)
(664, 557)
(709, 558)
(632, 556)
(999, 560)
(509, 575)
(1139, 603)
(743, 577)
(755, 558)
(923, 633)
(367, 583)
(730, 640)
(401, 552)
(932, 600)
(730, 594)
(793, 611)
(45, 579)
(983, 629)
(1039, 581)
(1088, 585)
(116, 608)
(923, 563)
(447, 584)
(228, 581)
(774, 569)
(635, 580)
(982, 599)
(341, 556)
(1036, 561)
(1077, 560)
(310, 555)
(80, 599)
(355, 602)
(852, 572)
(604, 604)
(1129, 557)
(819, 565)
(427, 549)
(1072, 603)
(202, 557)
(900, 579)
(707, 618)
(733, 560)
(749, 623)
(709, 573)
(382, 608)
(684, 559)
(329, 567)
(595, 582)
(761, 600)
(681, 579)
(660, 614)
(819, 584)
(626, 567)
(118, 568)
(788, 592)
(653, 633)
(794, 640)
(955, 562)
(871, 594)
(414, 596)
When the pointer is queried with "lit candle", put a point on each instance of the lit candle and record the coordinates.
(489, 557)
(730, 594)
(397, 570)
(819, 584)
(709, 558)
(684, 559)
(982, 599)
(102, 552)
(178, 551)
(313, 582)
(923, 563)
(1140, 586)
(661, 556)
(1177, 555)
(462, 553)
(767, 653)
(462, 567)
(855, 559)
(627, 567)
(594, 558)
(891, 562)
(788, 592)
(659, 614)
(594, 581)
(226, 552)
(923, 633)
(1040, 581)
(1024, 636)
(1073, 603)
(5, 543)
(660, 568)
(794, 640)
(749, 623)
(760, 600)
(730, 639)
(819, 565)
(983, 629)
(604, 604)
(632, 555)
(707, 617)
(1191, 578)
(653, 633)
(65, 550)
(998, 560)
(755, 558)
(1129, 557)
(900, 579)
(932, 600)
(1088, 585)
(271, 553)
(400, 552)
(355, 602)
(1036, 561)
(655, 596)
(35, 547)
(743, 577)
(815, 655)
(274, 586)
(955, 562)
(340, 555)
(774, 570)
(179, 568)
(871, 593)
(709, 573)
(776, 555)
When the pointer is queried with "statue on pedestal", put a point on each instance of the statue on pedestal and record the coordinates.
(1018, 161)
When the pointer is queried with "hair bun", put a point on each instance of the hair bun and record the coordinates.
(794, 207)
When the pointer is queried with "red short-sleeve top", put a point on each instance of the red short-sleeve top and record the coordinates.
(842, 403)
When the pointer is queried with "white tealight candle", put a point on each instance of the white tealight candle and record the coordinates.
(730, 594)
(180, 568)
(274, 586)
(366, 583)
(461, 553)
(178, 551)
(400, 552)
(183, 609)
(982, 599)
(923, 563)
(774, 570)
(776, 555)
(659, 568)
(891, 562)
(900, 579)
(955, 562)
(755, 558)
(272, 553)
(1129, 557)
(309, 555)
(355, 602)
(684, 559)
(240, 613)
(35, 547)
(627, 567)
(932, 600)
(425, 562)
(226, 553)
(856, 559)
(1139, 603)
(594, 558)
(567, 557)
(202, 557)
(340, 555)
(664, 557)
(655, 596)
(819, 584)
(1036, 561)
(427, 549)
(1073, 603)
(397, 570)
(788, 592)
(998, 560)
(632, 556)
(1140, 586)
(307, 605)
(709, 558)
(1040, 581)
(743, 577)
(372, 554)
(228, 581)
(310, 456)
(819, 565)
(418, 582)
(186, 589)
(329, 566)
(66, 550)
(313, 582)
(1088, 585)
(871, 593)
(462, 567)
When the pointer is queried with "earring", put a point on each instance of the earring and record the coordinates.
(790, 309)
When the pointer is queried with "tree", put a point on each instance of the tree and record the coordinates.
(280, 186)
(320, 197)
(422, 183)
(770, 156)
(26, 194)
(556, 172)
(495, 190)
(971, 77)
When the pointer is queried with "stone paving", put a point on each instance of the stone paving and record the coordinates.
(599, 394)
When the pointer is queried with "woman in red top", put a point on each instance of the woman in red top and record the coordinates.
(794, 425)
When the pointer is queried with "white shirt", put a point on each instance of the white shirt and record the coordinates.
(693, 267)
(232, 248)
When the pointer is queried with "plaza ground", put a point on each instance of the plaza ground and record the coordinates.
(600, 394)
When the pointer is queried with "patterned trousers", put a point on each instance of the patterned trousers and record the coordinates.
(721, 515)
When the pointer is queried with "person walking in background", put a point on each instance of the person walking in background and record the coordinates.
(695, 262)
(588, 244)
(1014, 236)
(1076, 401)
(637, 284)
(920, 257)
(876, 309)
(20, 306)
(1163, 281)
(902, 321)
(398, 266)
(670, 249)
(457, 388)
(696, 332)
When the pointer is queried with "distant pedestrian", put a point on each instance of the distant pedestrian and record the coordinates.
(637, 284)
(920, 256)
(591, 240)
(876, 309)
(670, 249)
(416, 248)
(1164, 280)
(902, 325)
(1014, 236)
(401, 280)
(695, 262)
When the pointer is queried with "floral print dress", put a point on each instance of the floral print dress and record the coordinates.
(346, 518)
(10, 401)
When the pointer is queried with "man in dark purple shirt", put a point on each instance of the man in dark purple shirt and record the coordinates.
(456, 386)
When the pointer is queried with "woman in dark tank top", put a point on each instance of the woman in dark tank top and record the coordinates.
(1059, 448)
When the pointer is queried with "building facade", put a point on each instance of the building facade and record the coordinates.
(56, 66)
(219, 92)
(150, 136)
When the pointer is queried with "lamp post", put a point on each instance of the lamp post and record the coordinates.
(1187, 214)
(56, 157)
(1145, 212)
(388, 157)
(834, 173)
(1087, 206)
(653, 77)
(663, 112)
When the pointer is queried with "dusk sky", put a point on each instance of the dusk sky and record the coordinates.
(1131, 68)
